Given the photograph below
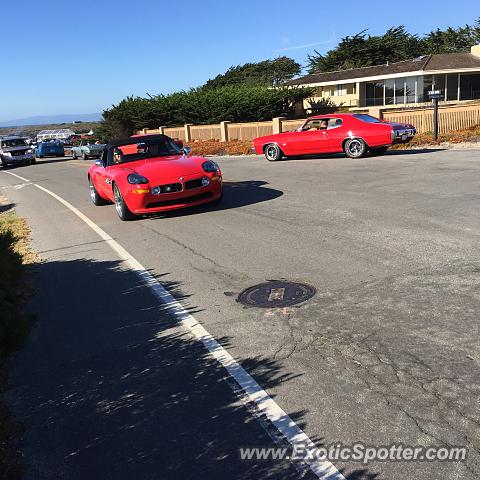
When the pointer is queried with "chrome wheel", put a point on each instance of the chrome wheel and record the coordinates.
(118, 202)
(121, 207)
(94, 196)
(93, 192)
(355, 148)
(272, 152)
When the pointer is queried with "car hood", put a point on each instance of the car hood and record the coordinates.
(16, 149)
(164, 168)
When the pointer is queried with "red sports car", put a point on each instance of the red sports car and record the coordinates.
(152, 174)
(355, 134)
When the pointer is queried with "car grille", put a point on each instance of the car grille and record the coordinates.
(190, 184)
(170, 188)
(176, 201)
(18, 152)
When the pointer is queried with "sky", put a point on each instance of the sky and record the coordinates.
(62, 57)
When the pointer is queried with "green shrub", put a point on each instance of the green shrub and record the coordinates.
(237, 103)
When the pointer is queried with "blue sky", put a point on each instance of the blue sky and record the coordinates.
(81, 57)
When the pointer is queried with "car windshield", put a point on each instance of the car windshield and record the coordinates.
(367, 118)
(143, 150)
(14, 142)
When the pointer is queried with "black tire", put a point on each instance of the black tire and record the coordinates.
(94, 196)
(378, 150)
(74, 155)
(120, 206)
(355, 148)
(272, 152)
(85, 156)
(33, 161)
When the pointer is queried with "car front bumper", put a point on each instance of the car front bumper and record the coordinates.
(142, 201)
(18, 158)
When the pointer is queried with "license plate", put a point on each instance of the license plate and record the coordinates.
(404, 136)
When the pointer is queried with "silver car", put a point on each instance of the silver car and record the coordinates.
(14, 150)
(88, 149)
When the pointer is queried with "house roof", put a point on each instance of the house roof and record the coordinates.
(443, 61)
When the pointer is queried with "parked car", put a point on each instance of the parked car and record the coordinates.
(355, 134)
(152, 174)
(14, 150)
(88, 149)
(52, 148)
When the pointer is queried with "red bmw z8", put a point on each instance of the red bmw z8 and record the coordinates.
(152, 174)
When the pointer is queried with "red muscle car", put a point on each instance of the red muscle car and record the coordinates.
(355, 134)
(152, 174)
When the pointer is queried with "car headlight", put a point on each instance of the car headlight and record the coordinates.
(210, 166)
(29, 150)
(7, 154)
(136, 179)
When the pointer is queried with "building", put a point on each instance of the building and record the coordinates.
(400, 84)
(62, 134)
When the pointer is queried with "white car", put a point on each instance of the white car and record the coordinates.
(14, 150)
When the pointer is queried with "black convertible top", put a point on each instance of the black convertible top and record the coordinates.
(128, 141)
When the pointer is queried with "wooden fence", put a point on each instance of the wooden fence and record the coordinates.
(451, 118)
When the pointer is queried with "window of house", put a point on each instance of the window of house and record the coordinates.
(389, 91)
(341, 89)
(469, 86)
(427, 87)
(439, 83)
(351, 88)
(329, 91)
(399, 90)
(452, 86)
(374, 93)
(410, 95)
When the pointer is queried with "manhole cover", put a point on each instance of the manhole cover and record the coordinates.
(276, 294)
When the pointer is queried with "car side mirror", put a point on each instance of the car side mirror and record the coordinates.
(186, 150)
(102, 161)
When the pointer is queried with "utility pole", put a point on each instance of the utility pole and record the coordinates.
(435, 95)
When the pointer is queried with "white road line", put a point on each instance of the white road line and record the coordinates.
(323, 469)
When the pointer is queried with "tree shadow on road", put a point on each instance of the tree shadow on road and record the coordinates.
(337, 156)
(414, 151)
(109, 386)
(6, 207)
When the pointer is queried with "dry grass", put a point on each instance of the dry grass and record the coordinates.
(216, 147)
(9, 222)
(15, 255)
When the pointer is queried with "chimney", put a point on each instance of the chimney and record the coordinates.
(475, 50)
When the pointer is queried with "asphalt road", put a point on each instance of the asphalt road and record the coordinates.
(386, 352)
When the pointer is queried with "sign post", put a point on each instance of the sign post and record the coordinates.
(435, 95)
